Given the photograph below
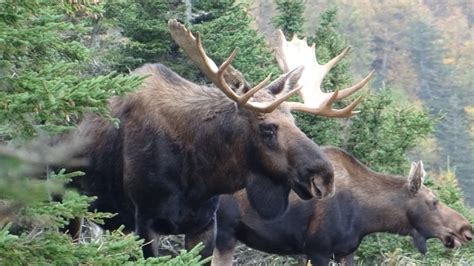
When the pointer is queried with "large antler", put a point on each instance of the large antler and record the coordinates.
(193, 48)
(297, 53)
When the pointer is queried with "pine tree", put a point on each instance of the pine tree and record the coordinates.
(46, 87)
(145, 25)
(254, 59)
(210, 18)
(384, 131)
(290, 16)
(44, 70)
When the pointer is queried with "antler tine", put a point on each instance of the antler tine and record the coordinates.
(244, 98)
(336, 59)
(273, 105)
(326, 108)
(344, 112)
(280, 51)
(315, 101)
(192, 46)
(221, 83)
(349, 110)
(351, 90)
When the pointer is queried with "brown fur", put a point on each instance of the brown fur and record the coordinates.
(365, 202)
(180, 145)
(180, 109)
(367, 190)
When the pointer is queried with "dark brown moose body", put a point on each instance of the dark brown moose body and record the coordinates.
(180, 145)
(365, 202)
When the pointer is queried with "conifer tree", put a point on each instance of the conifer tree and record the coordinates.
(223, 25)
(44, 70)
(290, 17)
(145, 25)
(254, 59)
(45, 88)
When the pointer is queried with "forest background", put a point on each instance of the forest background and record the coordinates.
(62, 59)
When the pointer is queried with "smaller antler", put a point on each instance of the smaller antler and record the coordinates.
(296, 53)
(193, 48)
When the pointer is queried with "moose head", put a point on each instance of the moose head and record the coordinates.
(280, 157)
(431, 218)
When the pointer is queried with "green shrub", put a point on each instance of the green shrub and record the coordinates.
(45, 88)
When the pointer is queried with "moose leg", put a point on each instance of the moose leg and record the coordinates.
(224, 256)
(142, 229)
(319, 260)
(74, 227)
(347, 260)
(206, 236)
(225, 245)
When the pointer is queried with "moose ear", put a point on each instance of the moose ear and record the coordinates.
(416, 177)
(236, 80)
(268, 198)
(285, 82)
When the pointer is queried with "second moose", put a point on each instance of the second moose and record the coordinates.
(365, 202)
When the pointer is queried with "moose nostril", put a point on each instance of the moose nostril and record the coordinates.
(318, 192)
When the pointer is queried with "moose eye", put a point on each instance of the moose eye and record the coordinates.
(268, 130)
(433, 204)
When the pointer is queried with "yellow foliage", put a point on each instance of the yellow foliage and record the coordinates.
(469, 109)
(449, 61)
(447, 176)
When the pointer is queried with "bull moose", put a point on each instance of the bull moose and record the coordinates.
(180, 145)
(365, 202)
